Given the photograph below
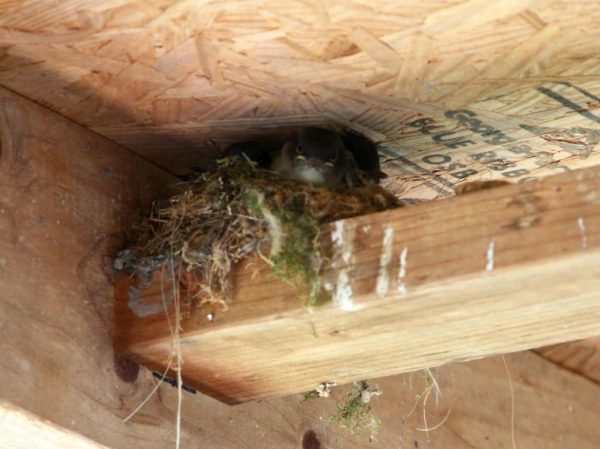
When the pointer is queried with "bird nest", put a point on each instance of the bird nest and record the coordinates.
(237, 209)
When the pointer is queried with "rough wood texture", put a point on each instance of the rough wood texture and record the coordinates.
(58, 373)
(581, 357)
(161, 77)
(66, 195)
(554, 409)
(474, 275)
(20, 429)
(543, 415)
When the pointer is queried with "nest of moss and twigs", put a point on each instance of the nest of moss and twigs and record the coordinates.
(235, 210)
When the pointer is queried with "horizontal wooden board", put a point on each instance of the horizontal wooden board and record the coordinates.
(64, 196)
(494, 271)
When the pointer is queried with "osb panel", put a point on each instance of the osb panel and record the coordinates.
(162, 77)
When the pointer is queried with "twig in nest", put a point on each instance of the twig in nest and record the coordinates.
(227, 213)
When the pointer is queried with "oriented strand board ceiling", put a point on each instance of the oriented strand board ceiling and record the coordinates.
(162, 77)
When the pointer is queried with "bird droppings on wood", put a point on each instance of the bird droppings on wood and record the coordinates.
(323, 390)
(383, 278)
(581, 226)
(489, 266)
(343, 296)
(402, 270)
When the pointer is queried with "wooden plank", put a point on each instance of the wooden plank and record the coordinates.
(495, 271)
(20, 429)
(582, 357)
(58, 376)
(477, 396)
(553, 409)
(66, 197)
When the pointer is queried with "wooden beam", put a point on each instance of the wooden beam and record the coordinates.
(490, 272)
(58, 376)
(20, 429)
(66, 197)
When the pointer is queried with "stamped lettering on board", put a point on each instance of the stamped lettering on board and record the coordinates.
(435, 154)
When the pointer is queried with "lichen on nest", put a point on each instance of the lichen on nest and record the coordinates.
(235, 210)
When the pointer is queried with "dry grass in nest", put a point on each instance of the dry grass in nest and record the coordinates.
(236, 210)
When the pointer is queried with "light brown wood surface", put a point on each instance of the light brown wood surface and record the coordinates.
(501, 270)
(162, 77)
(66, 197)
(57, 370)
(20, 429)
(581, 357)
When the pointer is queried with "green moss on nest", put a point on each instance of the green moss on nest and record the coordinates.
(299, 257)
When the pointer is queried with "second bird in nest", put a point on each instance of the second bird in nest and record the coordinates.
(319, 157)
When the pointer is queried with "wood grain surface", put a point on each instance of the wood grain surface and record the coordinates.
(163, 77)
(581, 357)
(64, 194)
(501, 270)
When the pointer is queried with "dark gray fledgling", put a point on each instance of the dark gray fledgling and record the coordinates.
(317, 157)
(257, 152)
(365, 154)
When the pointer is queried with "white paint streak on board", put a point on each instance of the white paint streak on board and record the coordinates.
(337, 235)
(383, 279)
(581, 225)
(343, 296)
(490, 257)
(402, 270)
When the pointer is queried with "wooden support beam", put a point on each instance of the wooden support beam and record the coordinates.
(66, 196)
(490, 272)
(61, 385)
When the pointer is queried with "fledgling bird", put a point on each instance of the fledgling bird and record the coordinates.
(365, 154)
(317, 157)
